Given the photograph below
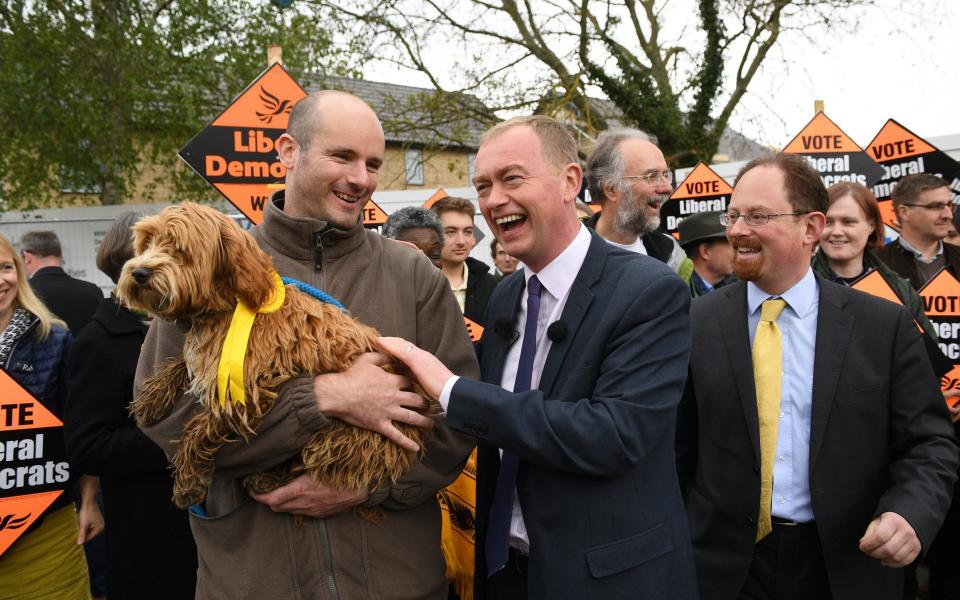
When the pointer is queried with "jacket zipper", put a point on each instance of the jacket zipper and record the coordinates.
(325, 550)
(327, 553)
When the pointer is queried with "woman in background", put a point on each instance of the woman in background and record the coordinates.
(46, 562)
(150, 551)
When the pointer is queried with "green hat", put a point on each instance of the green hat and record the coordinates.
(701, 226)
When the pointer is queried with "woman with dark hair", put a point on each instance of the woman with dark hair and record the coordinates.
(847, 253)
(150, 551)
(46, 562)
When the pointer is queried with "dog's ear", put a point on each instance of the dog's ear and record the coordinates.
(251, 271)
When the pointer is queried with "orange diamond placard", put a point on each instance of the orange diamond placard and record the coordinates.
(901, 152)
(438, 195)
(941, 302)
(833, 153)
(235, 153)
(33, 464)
(701, 191)
(474, 330)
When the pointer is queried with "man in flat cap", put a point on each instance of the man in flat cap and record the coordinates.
(705, 241)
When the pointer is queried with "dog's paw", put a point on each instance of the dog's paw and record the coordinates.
(158, 393)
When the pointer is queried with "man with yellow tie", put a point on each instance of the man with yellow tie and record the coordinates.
(814, 448)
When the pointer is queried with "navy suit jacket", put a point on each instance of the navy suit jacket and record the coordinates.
(880, 439)
(597, 480)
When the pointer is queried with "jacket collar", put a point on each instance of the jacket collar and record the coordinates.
(296, 237)
(118, 319)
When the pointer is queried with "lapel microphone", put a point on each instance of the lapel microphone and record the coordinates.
(557, 332)
(504, 329)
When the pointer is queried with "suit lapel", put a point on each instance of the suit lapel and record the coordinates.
(495, 347)
(576, 307)
(735, 333)
(834, 326)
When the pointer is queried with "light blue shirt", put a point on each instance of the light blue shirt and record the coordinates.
(798, 327)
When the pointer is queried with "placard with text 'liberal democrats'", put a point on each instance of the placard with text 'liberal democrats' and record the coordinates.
(941, 302)
(33, 461)
(833, 154)
(901, 152)
(236, 153)
(702, 190)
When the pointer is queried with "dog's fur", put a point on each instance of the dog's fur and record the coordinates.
(197, 263)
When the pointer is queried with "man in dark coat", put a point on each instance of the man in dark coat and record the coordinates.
(71, 299)
(469, 278)
(814, 448)
(583, 367)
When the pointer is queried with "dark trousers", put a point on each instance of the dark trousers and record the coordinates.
(788, 565)
(944, 554)
(510, 582)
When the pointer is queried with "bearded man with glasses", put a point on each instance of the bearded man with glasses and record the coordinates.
(628, 176)
(814, 450)
(925, 213)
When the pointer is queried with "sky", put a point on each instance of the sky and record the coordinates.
(896, 64)
(897, 60)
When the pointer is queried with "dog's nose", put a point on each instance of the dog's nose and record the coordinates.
(141, 275)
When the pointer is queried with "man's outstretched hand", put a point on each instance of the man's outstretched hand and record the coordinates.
(426, 368)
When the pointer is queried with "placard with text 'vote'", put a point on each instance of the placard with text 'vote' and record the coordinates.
(833, 154)
(901, 152)
(941, 302)
(702, 190)
(33, 464)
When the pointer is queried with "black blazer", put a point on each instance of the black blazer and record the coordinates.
(150, 550)
(880, 439)
(71, 299)
(597, 480)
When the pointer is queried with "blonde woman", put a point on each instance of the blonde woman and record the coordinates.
(46, 562)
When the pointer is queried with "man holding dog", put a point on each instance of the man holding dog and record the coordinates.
(583, 362)
(332, 151)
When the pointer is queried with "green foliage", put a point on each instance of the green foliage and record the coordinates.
(97, 89)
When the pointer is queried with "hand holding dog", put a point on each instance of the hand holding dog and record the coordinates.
(304, 496)
(430, 373)
(369, 397)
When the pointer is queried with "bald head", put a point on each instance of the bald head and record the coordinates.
(310, 116)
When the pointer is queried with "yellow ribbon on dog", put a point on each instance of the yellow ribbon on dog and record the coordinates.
(230, 368)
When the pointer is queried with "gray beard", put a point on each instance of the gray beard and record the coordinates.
(632, 218)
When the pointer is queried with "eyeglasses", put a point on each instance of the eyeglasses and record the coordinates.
(931, 206)
(754, 219)
(653, 177)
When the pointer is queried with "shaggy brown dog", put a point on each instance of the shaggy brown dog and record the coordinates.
(192, 262)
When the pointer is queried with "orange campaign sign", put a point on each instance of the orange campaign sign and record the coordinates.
(941, 302)
(373, 215)
(438, 195)
(901, 152)
(235, 153)
(701, 191)
(833, 153)
(474, 330)
(875, 285)
(33, 465)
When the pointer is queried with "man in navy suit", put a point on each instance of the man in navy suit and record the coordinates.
(583, 362)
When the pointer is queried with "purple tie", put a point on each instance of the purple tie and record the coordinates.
(498, 530)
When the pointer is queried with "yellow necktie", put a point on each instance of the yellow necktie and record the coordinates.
(767, 369)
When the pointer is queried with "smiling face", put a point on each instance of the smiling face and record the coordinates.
(527, 201)
(639, 205)
(335, 173)
(845, 235)
(426, 239)
(774, 256)
(8, 286)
